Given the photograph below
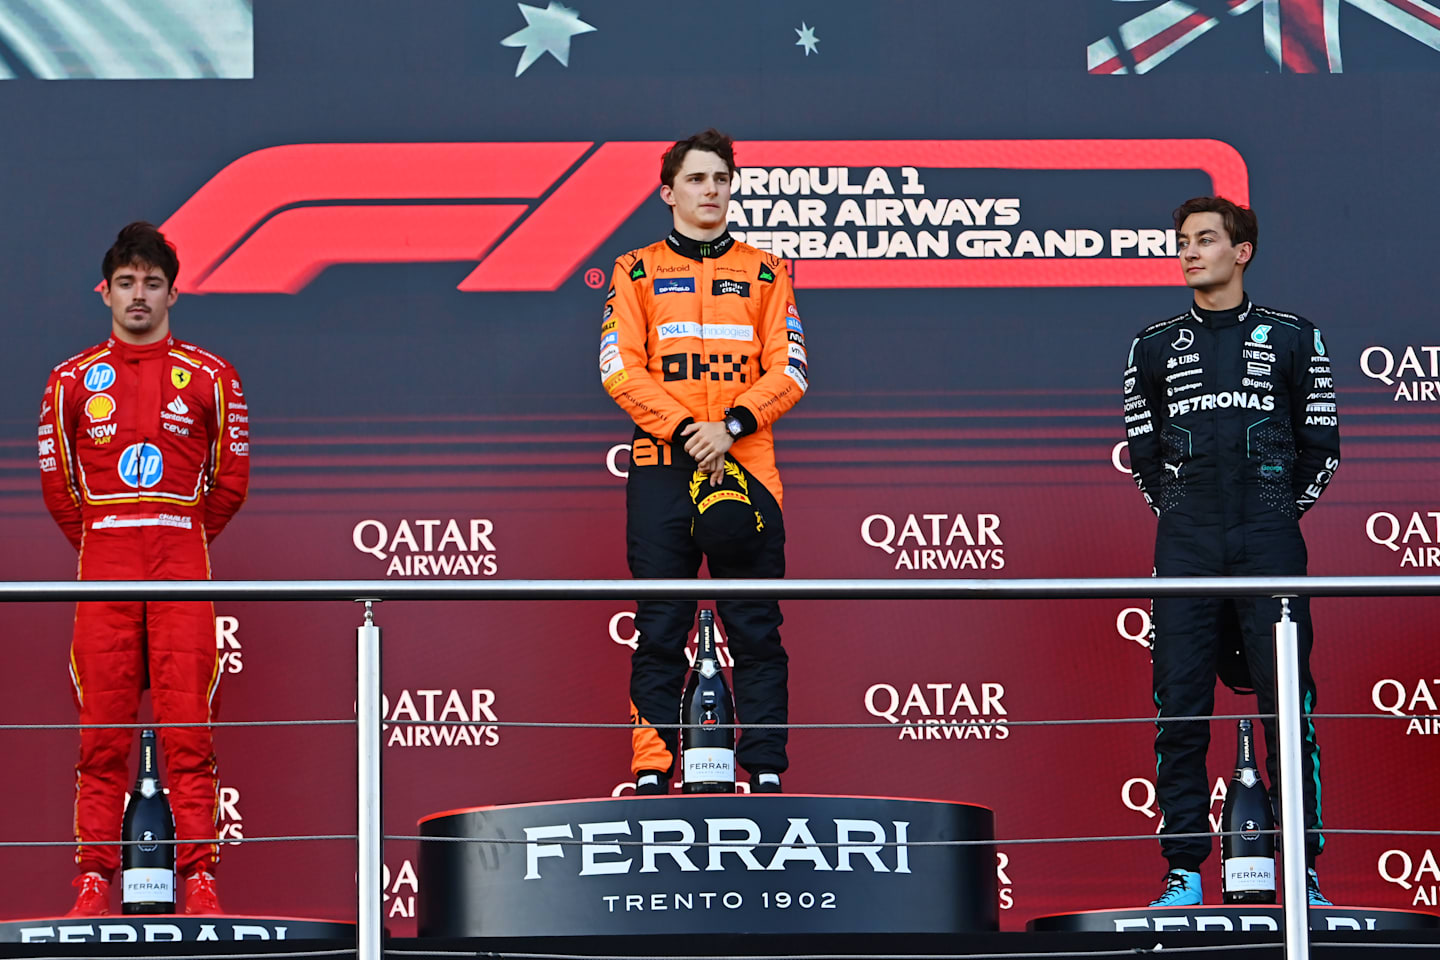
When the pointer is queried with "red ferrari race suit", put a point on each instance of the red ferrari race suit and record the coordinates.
(144, 457)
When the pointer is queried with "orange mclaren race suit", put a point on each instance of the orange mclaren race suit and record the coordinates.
(703, 331)
(144, 457)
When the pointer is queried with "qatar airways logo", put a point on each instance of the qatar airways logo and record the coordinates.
(227, 645)
(1138, 794)
(941, 711)
(1415, 871)
(440, 717)
(399, 889)
(430, 548)
(1413, 371)
(272, 220)
(623, 632)
(1416, 701)
(937, 541)
(1414, 538)
(230, 822)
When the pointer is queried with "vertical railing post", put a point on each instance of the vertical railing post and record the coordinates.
(370, 826)
(1292, 785)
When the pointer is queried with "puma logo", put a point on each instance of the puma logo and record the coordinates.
(1174, 468)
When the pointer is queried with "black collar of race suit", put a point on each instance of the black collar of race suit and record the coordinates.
(700, 249)
(1222, 318)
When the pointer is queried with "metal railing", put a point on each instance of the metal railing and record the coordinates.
(368, 714)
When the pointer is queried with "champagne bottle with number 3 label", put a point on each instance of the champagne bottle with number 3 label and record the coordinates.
(1247, 856)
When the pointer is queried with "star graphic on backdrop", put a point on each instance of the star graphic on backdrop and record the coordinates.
(808, 40)
(547, 31)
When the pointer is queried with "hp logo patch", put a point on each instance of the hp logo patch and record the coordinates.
(141, 466)
(99, 377)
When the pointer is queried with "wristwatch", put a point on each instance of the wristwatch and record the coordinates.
(733, 426)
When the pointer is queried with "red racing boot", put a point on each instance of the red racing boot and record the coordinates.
(200, 895)
(94, 898)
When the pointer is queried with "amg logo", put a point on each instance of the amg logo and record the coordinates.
(738, 837)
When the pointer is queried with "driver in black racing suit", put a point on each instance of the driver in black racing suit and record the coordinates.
(1231, 421)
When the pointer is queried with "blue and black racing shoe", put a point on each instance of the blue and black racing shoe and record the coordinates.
(1182, 889)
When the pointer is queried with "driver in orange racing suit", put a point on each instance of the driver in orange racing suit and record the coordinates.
(701, 344)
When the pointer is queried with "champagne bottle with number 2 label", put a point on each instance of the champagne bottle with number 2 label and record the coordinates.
(148, 875)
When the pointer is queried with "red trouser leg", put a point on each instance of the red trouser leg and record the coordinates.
(107, 668)
(184, 687)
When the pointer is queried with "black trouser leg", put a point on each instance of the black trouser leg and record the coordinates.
(752, 628)
(658, 545)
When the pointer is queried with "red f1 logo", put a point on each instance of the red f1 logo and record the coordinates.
(531, 213)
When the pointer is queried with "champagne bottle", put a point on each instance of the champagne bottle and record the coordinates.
(707, 746)
(1248, 858)
(148, 875)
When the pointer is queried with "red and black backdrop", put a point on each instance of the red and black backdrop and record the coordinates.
(398, 226)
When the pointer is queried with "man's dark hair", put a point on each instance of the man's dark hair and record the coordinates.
(711, 140)
(1240, 222)
(141, 243)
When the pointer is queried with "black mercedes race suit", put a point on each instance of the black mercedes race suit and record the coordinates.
(1233, 434)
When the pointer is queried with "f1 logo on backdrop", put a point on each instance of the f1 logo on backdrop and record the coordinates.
(530, 214)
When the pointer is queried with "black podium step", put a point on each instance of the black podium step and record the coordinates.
(771, 864)
(1255, 919)
(172, 928)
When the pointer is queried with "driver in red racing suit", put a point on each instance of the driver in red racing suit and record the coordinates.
(144, 447)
